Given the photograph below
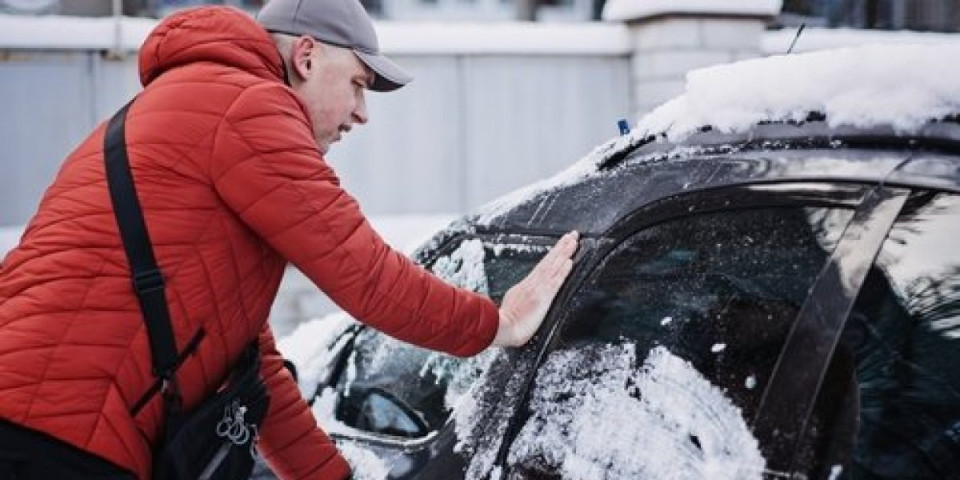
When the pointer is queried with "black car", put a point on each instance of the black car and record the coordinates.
(781, 301)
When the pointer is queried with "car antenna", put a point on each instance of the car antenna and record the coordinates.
(796, 37)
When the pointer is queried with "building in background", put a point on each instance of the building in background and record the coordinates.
(920, 15)
(496, 104)
(547, 10)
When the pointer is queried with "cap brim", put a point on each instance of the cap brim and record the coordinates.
(389, 75)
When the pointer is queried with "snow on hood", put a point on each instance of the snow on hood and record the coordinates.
(311, 347)
(902, 86)
(365, 464)
(596, 416)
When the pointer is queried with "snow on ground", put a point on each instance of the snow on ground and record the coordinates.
(9, 237)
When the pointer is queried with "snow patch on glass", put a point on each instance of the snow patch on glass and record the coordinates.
(482, 414)
(499, 248)
(670, 422)
(464, 267)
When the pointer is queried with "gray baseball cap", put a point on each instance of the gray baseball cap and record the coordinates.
(343, 23)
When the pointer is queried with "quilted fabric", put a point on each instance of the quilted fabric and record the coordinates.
(232, 187)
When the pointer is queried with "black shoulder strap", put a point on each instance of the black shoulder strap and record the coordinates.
(147, 279)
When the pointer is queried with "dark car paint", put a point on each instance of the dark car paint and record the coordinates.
(689, 203)
(791, 392)
(592, 249)
(768, 153)
(613, 202)
(587, 206)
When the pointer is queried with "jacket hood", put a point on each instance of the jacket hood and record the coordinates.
(223, 35)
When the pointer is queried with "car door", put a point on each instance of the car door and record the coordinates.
(902, 339)
(663, 351)
(391, 406)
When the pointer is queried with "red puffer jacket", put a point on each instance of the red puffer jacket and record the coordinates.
(232, 187)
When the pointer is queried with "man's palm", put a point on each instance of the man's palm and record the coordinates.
(526, 304)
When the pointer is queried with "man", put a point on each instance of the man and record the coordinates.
(226, 146)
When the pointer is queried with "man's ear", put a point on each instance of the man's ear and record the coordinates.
(302, 58)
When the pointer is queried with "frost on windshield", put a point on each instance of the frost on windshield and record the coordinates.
(464, 267)
(594, 415)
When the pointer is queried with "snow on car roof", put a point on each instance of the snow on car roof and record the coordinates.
(902, 86)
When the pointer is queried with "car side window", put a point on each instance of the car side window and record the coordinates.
(394, 388)
(904, 335)
(677, 331)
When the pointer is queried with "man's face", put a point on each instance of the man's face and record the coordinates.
(333, 84)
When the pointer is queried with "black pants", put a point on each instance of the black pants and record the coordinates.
(29, 455)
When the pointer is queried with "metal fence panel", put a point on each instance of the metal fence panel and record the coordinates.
(469, 128)
(528, 117)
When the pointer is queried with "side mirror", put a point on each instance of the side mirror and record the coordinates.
(382, 412)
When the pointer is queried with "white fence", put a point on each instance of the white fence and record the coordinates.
(492, 108)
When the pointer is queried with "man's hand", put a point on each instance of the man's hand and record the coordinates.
(525, 305)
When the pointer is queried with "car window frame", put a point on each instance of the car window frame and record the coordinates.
(838, 285)
(921, 189)
(594, 249)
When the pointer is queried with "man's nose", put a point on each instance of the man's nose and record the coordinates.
(360, 113)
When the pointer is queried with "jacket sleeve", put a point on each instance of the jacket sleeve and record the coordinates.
(267, 168)
(289, 438)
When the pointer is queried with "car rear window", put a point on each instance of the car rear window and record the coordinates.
(904, 336)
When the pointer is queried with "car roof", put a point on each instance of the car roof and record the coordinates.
(872, 114)
(593, 203)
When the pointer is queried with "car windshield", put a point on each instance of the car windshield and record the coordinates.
(425, 384)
